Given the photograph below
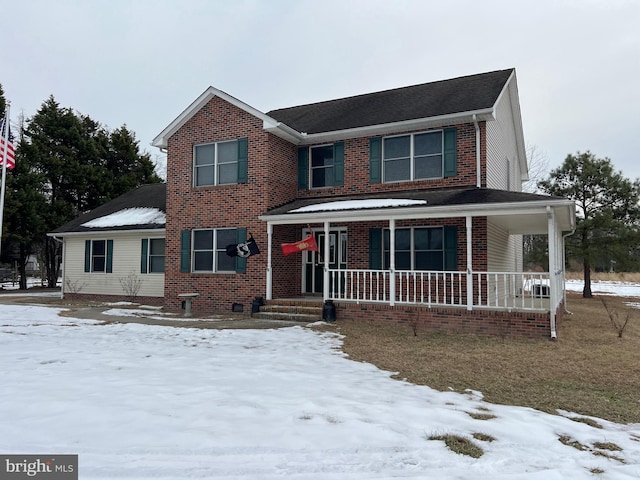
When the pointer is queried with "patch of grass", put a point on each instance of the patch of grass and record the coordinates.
(481, 416)
(588, 370)
(483, 437)
(599, 453)
(570, 442)
(460, 445)
(588, 421)
(607, 446)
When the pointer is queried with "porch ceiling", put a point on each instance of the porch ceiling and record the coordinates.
(516, 212)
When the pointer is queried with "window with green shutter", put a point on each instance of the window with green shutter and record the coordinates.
(326, 165)
(220, 163)
(98, 256)
(416, 156)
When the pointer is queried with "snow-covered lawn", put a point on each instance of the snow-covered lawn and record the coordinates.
(143, 401)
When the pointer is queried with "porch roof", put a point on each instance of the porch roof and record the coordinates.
(516, 212)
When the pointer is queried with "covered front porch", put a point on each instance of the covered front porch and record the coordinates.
(485, 234)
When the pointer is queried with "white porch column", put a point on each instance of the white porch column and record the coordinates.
(392, 261)
(469, 220)
(269, 272)
(553, 294)
(325, 286)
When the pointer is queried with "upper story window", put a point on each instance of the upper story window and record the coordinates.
(413, 157)
(417, 156)
(220, 163)
(325, 168)
(322, 165)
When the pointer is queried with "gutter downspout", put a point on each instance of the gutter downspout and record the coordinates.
(551, 234)
(479, 177)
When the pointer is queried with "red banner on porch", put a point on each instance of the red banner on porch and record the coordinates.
(308, 243)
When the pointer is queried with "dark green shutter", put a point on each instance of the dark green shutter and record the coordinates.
(143, 256)
(451, 249)
(109, 266)
(243, 157)
(241, 263)
(87, 255)
(375, 160)
(338, 163)
(375, 249)
(450, 152)
(303, 167)
(185, 251)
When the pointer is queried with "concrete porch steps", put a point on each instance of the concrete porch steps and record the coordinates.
(292, 311)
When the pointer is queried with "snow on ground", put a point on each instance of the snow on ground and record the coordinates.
(143, 401)
(621, 289)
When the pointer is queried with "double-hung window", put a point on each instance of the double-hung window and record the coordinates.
(98, 256)
(220, 163)
(413, 157)
(152, 255)
(416, 248)
(209, 250)
(322, 165)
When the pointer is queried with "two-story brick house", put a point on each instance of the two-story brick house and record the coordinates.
(417, 189)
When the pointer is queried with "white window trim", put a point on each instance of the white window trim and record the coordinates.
(412, 159)
(91, 269)
(216, 164)
(148, 259)
(215, 250)
(412, 248)
(310, 182)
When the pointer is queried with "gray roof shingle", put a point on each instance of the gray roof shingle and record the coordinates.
(457, 95)
(433, 198)
(146, 196)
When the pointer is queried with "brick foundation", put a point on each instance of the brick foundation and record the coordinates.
(482, 322)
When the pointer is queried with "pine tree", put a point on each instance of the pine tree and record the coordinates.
(607, 210)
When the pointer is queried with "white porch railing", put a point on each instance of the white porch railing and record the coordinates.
(492, 290)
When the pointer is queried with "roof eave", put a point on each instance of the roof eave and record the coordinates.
(300, 138)
(444, 211)
(94, 233)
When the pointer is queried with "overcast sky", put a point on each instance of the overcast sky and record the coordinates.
(140, 63)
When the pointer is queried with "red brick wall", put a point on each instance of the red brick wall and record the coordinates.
(483, 322)
(272, 181)
(356, 168)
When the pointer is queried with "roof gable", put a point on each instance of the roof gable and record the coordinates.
(145, 198)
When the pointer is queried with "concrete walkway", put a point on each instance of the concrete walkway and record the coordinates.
(109, 313)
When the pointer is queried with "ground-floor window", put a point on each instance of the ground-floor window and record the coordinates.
(209, 250)
(418, 248)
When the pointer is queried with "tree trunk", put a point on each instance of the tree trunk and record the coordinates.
(51, 262)
(586, 291)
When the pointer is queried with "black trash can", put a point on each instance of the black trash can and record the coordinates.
(256, 304)
(329, 311)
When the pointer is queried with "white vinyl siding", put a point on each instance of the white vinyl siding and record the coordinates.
(504, 251)
(503, 166)
(127, 253)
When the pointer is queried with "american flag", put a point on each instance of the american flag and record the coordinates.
(11, 154)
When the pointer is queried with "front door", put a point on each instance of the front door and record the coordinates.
(313, 264)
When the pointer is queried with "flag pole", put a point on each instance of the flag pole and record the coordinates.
(5, 152)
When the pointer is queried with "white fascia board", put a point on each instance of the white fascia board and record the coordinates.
(102, 233)
(475, 210)
(301, 138)
(161, 140)
(511, 88)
